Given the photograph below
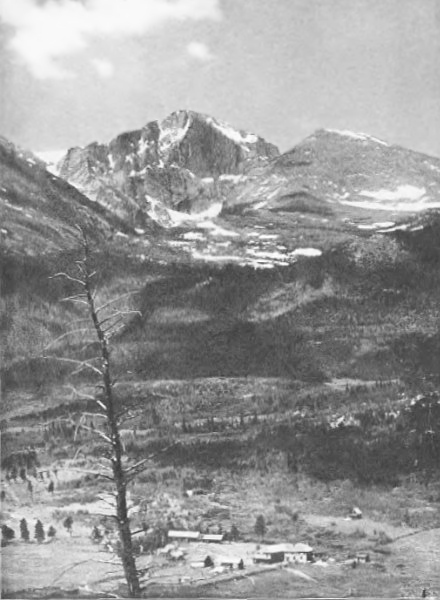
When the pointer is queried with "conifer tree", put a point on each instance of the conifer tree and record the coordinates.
(260, 526)
(24, 531)
(39, 534)
(68, 522)
(51, 532)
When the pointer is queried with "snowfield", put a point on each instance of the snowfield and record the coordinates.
(403, 192)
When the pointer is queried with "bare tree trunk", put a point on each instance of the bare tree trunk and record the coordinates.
(119, 476)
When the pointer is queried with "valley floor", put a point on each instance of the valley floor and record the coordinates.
(399, 528)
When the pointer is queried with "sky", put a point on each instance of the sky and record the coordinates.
(77, 71)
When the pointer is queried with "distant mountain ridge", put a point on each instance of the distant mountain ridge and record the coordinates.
(191, 162)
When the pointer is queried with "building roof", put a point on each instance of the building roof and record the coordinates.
(300, 547)
(287, 547)
(213, 537)
(193, 535)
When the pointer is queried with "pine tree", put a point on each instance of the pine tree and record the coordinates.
(68, 522)
(24, 531)
(39, 534)
(234, 534)
(51, 532)
(260, 526)
(50, 487)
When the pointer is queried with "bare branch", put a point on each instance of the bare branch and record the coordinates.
(81, 395)
(92, 414)
(77, 362)
(64, 335)
(68, 277)
(98, 432)
(97, 473)
(101, 404)
(120, 313)
(135, 469)
(110, 302)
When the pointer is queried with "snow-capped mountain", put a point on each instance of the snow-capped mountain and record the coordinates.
(179, 161)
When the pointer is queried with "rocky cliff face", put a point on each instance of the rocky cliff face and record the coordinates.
(177, 161)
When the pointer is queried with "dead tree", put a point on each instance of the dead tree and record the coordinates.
(120, 475)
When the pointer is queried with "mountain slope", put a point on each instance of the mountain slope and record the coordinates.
(40, 212)
(349, 176)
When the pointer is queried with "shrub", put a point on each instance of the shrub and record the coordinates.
(96, 535)
(8, 534)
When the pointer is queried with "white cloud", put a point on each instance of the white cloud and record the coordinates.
(48, 30)
(104, 67)
(199, 51)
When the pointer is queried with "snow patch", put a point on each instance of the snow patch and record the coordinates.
(233, 178)
(171, 136)
(194, 236)
(383, 224)
(402, 192)
(260, 205)
(52, 158)
(232, 133)
(268, 236)
(306, 252)
(357, 136)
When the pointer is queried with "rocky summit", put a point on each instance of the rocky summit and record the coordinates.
(179, 161)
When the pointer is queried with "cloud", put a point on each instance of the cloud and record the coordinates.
(104, 67)
(199, 51)
(45, 31)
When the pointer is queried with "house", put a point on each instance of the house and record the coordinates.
(232, 562)
(356, 513)
(176, 554)
(362, 557)
(269, 555)
(188, 536)
(202, 562)
(217, 538)
(299, 553)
